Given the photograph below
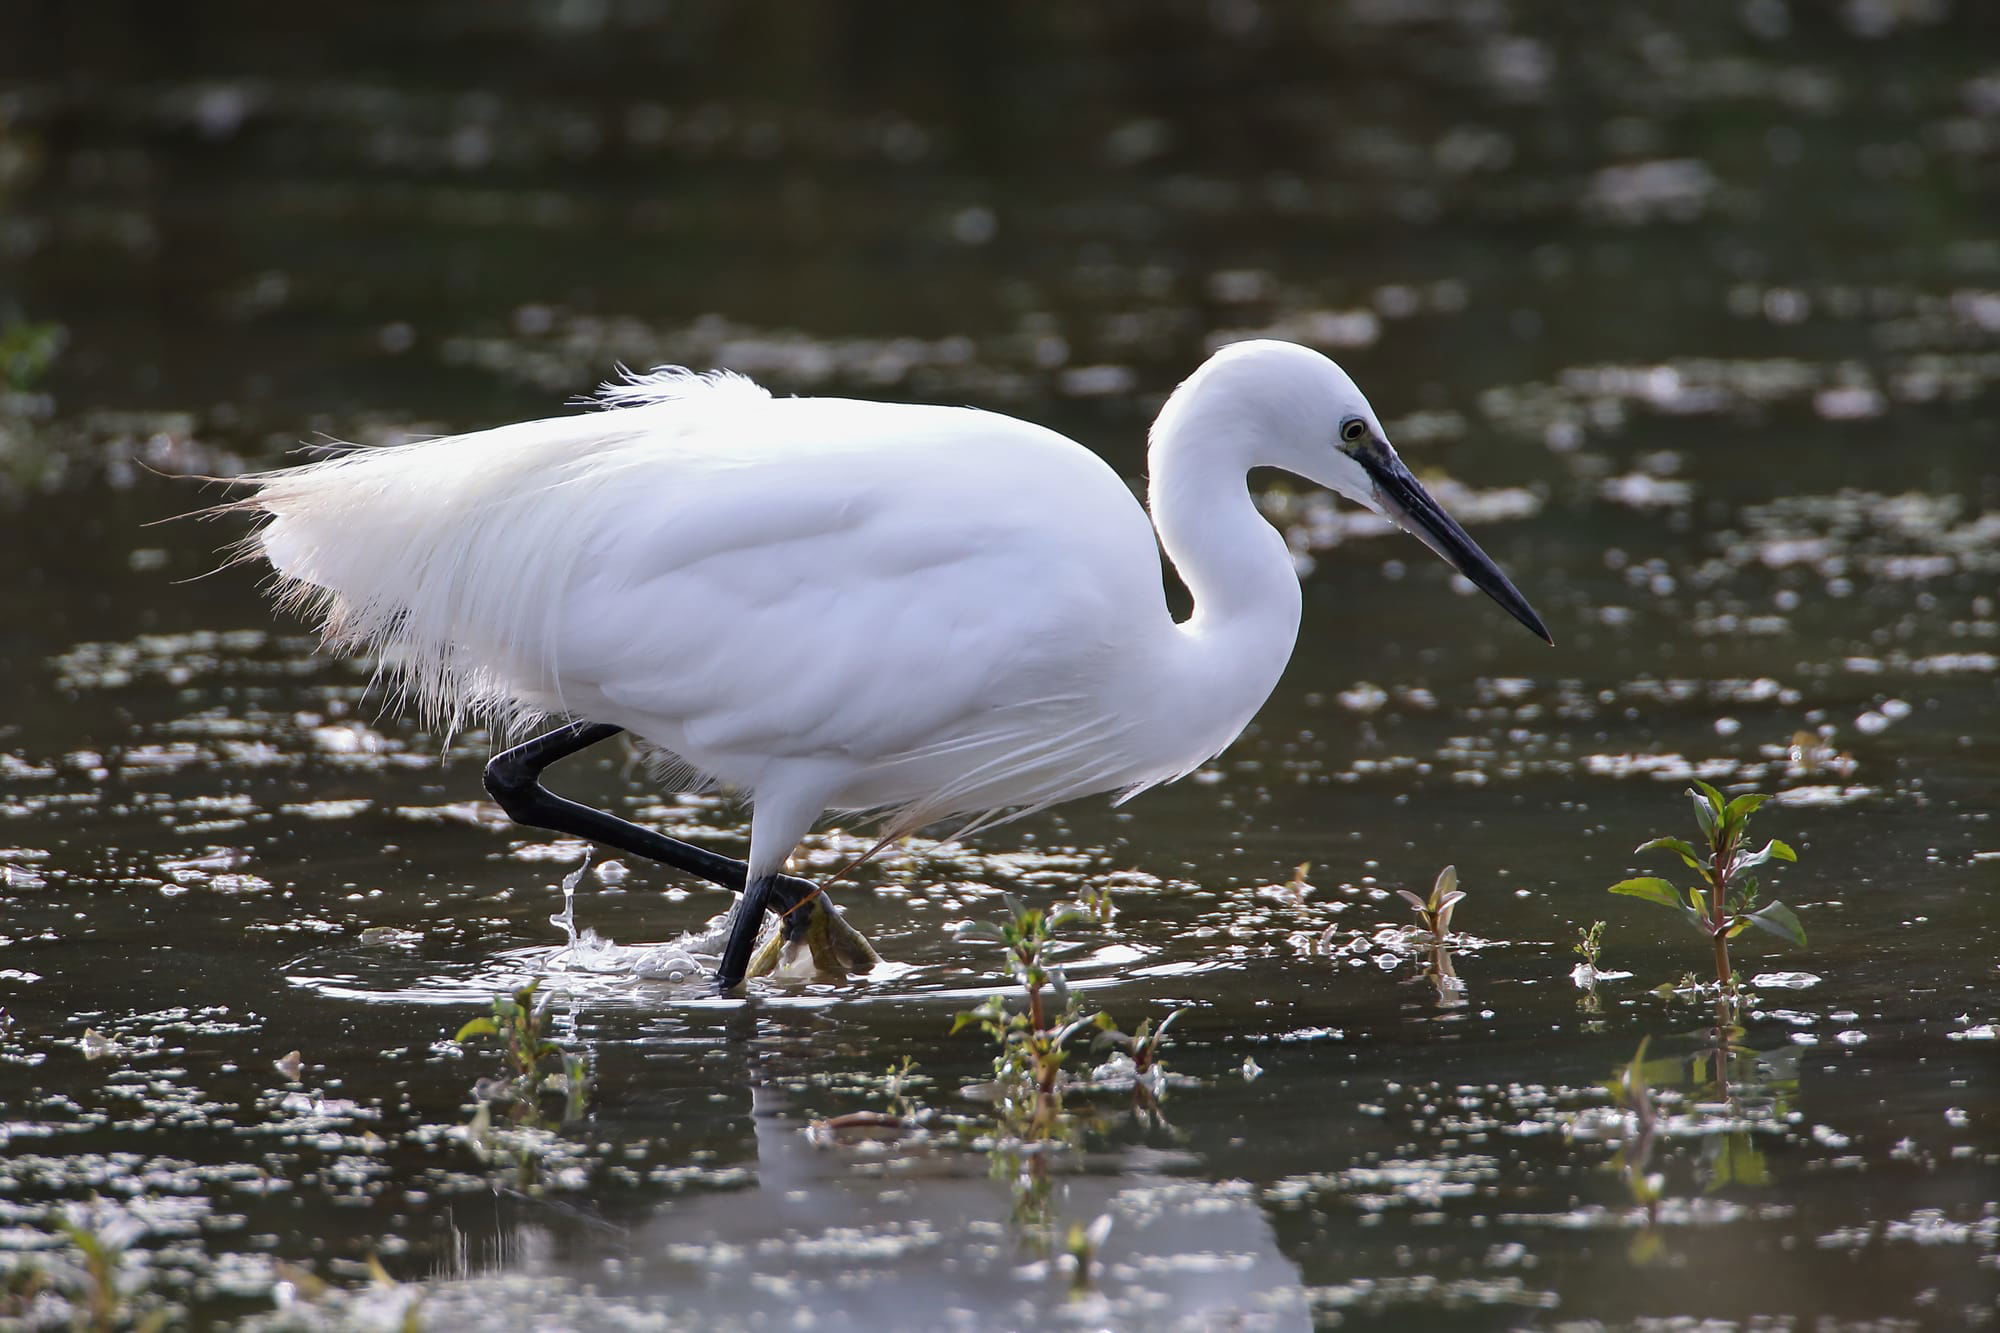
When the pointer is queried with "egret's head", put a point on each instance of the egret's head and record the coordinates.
(1307, 416)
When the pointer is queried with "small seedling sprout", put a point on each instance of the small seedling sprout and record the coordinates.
(1590, 943)
(1589, 946)
(1435, 912)
(1096, 904)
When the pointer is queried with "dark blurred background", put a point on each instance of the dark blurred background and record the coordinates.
(468, 210)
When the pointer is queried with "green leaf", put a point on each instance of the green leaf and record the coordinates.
(1744, 806)
(1415, 902)
(1713, 796)
(1678, 846)
(979, 930)
(478, 1027)
(1779, 920)
(1650, 887)
(1771, 851)
(1704, 813)
(1059, 983)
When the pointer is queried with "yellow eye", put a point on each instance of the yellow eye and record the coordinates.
(1354, 430)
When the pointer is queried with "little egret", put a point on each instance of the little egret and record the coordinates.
(826, 604)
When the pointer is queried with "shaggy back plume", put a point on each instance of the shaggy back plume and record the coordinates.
(444, 557)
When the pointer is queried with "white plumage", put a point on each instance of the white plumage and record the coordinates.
(825, 603)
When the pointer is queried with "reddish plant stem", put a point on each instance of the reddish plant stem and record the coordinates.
(1718, 918)
(1045, 1069)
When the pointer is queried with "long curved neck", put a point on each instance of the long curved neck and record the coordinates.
(1246, 590)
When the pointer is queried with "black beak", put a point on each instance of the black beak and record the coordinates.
(1410, 507)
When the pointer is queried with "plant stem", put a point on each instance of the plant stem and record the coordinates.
(1718, 920)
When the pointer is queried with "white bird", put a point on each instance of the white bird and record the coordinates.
(819, 603)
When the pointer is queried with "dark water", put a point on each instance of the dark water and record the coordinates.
(1691, 312)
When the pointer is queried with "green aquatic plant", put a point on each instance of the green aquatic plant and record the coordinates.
(1034, 1039)
(1096, 904)
(1434, 922)
(521, 1027)
(1725, 903)
(1589, 946)
(1298, 886)
(1590, 943)
(1434, 912)
(896, 1085)
(1142, 1045)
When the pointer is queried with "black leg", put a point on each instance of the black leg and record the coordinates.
(743, 926)
(513, 777)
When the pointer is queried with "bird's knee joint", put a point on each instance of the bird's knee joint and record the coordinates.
(507, 782)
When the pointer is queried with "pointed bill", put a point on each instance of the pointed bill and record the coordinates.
(1410, 507)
